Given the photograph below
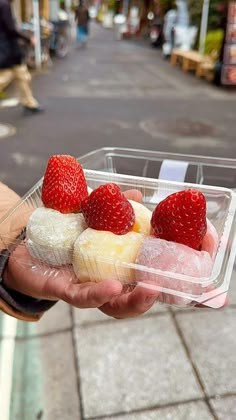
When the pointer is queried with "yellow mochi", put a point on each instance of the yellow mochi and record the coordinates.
(98, 255)
(142, 218)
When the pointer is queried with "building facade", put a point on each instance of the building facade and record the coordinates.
(24, 9)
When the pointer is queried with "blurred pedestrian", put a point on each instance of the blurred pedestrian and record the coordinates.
(82, 20)
(12, 65)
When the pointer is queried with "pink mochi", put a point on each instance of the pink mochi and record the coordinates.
(173, 257)
(211, 240)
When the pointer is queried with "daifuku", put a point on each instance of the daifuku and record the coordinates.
(210, 241)
(142, 218)
(170, 257)
(50, 235)
(101, 255)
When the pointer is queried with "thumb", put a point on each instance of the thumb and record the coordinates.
(134, 195)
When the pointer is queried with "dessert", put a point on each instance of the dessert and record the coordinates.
(106, 208)
(210, 241)
(184, 243)
(98, 255)
(172, 257)
(142, 218)
(181, 217)
(106, 236)
(64, 185)
(50, 235)
(108, 242)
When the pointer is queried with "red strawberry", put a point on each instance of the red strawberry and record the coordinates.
(108, 209)
(181, 218)
(64, 185)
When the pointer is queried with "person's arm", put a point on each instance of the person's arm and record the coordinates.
(27, 288)
(9, 24)
(11, 302)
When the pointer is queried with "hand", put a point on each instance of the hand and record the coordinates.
(25, 275)
(43, 282)
(32, 41)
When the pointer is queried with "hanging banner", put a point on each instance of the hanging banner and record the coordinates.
(228, 75)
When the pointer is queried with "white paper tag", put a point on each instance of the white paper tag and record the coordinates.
(171, 170)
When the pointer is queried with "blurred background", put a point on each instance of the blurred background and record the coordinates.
(155, 75)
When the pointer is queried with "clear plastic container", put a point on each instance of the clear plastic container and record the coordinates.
(197, 169)
(173, 288)
(163, 165)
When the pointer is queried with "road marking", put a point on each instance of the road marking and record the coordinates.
(27, 160)
(6, 364)
(8, 103)
(6, 130)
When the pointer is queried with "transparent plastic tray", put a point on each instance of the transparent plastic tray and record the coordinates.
(198, 169)
(174, 288)
(163, 165)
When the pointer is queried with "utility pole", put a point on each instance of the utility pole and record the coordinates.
(37, 36)
(204, 24)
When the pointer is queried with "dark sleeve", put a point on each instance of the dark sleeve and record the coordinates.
(17, 304)
(9, 23)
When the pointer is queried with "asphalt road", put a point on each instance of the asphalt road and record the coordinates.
(115, 94)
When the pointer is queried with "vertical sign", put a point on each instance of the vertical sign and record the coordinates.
(228, 75)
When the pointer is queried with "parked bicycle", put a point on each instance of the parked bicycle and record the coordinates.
(54, 38)
(59, 39)
(29, 51)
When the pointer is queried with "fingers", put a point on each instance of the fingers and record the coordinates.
(131, 304)
(90, 295)
(134, 195)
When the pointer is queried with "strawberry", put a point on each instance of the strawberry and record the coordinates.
(64, 185)
(108, 209)
(181, 218)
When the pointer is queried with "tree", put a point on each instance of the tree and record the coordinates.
(215, 12)
(166, 5)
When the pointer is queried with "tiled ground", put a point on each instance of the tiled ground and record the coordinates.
(80, 364)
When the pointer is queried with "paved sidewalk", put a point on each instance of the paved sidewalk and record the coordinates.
(168, 364)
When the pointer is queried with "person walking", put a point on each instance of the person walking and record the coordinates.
(12, 65)
(82, 21)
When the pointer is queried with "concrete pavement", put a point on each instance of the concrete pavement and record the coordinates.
(79, 364)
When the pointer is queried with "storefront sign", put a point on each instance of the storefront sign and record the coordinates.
(228, 76)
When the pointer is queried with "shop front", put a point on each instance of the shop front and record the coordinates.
(24, 10)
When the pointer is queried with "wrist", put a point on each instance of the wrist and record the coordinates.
(4, 257)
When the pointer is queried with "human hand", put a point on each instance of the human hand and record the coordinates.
(43, 282)
(32, 41)
(24, 275)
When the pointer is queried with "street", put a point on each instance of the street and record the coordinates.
(116, 94)
(176, 364)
